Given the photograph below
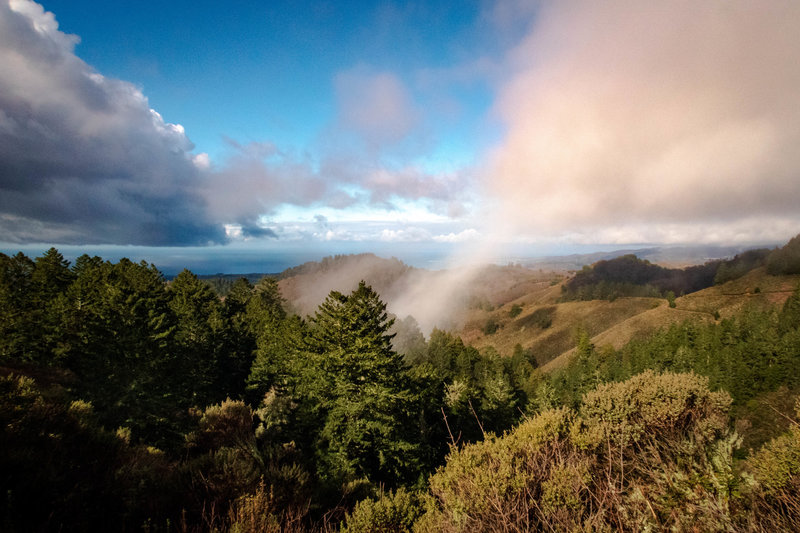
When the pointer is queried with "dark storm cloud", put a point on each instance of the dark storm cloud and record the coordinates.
(83, 158)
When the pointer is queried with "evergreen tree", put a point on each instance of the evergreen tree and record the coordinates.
(240, 339)
(199, 335)
(119, 339)
(277, 338)
(363, 389)
(51, 275)
(18, 324)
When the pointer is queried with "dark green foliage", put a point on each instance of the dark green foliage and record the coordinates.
(491, 326)
(740, 265)
(276, 337)
(31, 297)
(393, 512)
(119, 337)
(363, 390)
(785, 260)
(199, 335)
(541, 318)
(240, 338)
(18, 324)
(482, 391)
(630, 276)
(515, 311)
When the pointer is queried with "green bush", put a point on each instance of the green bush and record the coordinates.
(392, 512)
(541, 318)
(653, 452)
(670, 296)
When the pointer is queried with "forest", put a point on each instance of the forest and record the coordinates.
(628, 275)
(133, 403)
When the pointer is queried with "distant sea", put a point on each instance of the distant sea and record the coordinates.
(276, 256)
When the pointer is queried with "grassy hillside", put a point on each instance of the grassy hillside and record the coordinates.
(613, 323)
(506, 306)
(567, 320)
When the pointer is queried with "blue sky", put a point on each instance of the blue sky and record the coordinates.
(261, 71)
(210, 131)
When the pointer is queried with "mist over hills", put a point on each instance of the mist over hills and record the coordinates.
(443, 298)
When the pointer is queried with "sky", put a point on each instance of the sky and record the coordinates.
(256, 135)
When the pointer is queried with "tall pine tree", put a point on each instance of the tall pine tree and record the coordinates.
(363, 391)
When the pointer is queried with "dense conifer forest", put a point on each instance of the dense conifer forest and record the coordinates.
(133, 403)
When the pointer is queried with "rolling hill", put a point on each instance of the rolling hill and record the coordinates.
(615, 323)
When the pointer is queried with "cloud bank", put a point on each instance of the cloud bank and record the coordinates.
(624, 122)
(83, 158)
(652, 122)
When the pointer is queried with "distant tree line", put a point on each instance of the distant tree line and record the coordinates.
(223, 283)
(628, 275)
(785, 260)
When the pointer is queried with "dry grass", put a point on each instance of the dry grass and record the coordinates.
(594, 317)
(616, 323)
(756, 288)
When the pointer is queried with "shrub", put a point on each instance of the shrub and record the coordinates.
(392, 512)
(652, 406)
(541, 318)
(670, 296)
(653, 452)
(259, 513)
(776, 489)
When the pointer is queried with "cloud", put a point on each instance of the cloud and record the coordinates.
(256, 178)
(83, 158)
(375, 107)
(413, 183)
(466, 235)
(624, 118)
(407, 234)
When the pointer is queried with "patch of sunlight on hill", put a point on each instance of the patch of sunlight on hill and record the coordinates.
(756, 289)
(567, 319)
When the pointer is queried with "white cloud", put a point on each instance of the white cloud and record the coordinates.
(466, 235)
(623, 118)
(407, 234)
(375, 106)
(202, 161)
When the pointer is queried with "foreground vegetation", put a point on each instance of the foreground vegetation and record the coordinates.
(130, 403)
